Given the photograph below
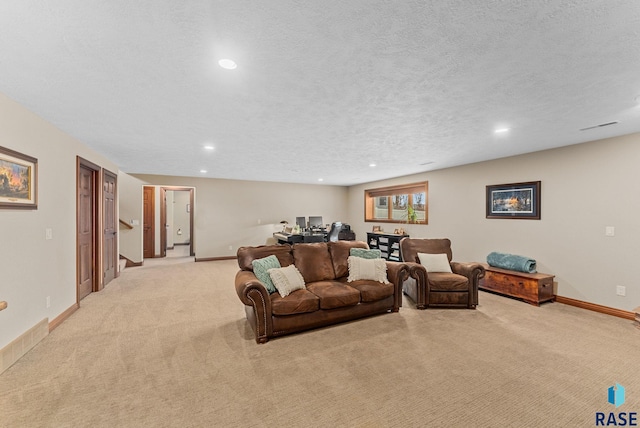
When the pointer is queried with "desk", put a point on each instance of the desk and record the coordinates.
(293, 238)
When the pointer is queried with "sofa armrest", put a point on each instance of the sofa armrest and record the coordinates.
(253, 293)
(397, 273)
(473, 271)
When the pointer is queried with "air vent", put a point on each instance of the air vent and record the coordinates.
(601, 125)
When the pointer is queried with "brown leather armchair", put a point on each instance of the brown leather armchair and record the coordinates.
(458, 289)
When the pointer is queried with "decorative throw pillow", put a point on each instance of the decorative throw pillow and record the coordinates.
(435, 262)
(373, 269)
(287, 279)
(261, 268)
(365, 253)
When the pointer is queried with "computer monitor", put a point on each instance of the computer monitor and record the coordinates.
(315, 222)
(302, 222)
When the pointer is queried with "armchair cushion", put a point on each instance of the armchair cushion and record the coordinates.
(435, 262)
(441, 281)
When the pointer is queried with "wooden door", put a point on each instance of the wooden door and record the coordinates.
(148, 238)
(86, 221)
(110, 227)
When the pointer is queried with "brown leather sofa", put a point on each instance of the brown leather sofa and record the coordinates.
(327, 299)
(458, 289)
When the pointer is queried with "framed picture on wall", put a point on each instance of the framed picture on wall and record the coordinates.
(18, 180)
(515, 201)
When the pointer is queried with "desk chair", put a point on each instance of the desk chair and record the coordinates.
(333, 234)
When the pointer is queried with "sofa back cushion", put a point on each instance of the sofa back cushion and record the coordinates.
(410, 247)
(313, 261)
(246, 255)
(339, 251)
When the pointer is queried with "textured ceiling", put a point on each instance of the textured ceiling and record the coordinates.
(322, 88)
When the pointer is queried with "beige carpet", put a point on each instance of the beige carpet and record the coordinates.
(169, 346)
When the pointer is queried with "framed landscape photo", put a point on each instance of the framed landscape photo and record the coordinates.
(515, 200)
(18, 180)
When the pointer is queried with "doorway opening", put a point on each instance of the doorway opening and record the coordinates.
(176, 220)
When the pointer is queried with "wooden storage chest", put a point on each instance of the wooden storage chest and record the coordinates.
(533, 288)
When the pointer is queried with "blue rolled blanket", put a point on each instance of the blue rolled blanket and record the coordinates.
(511, 262)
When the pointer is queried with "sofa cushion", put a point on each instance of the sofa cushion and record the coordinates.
(372, 269)
(435, 262)
(340, 251)
(260, 268)
(333, 294)
(372, 291)
(286, 279)
(298, 302)
(246, 255)
(313, 261)
(441, 281)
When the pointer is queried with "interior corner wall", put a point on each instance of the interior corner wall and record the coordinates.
(131, 207)
(233, 213)
(34, 268)
(585, 188)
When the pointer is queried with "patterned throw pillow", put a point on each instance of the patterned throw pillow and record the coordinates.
(365, 253)
(287, 279)
(261, 268)
(435, 262)
(372, 269)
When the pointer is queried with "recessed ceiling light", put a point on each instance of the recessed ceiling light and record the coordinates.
(372, 164)
(208, 147)
(203, 171)
(501, 130)
(320, 179)
(228, 64)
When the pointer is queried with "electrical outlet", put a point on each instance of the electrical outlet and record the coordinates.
(48, 233)
(259, 221)
(621, 290)
(231, 247)
(48, 301)
(609, 231)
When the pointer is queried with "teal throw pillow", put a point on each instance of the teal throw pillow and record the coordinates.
(261, 267)
(363, 253)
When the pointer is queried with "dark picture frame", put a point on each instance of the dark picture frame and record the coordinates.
(514, 200)
(18, 180)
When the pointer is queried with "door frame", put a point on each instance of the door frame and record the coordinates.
(151, 206)
(96, 258)
(163, 217)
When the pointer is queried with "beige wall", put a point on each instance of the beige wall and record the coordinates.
(130, 197)
(585, 188)
(34, 268)
(232, 213)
